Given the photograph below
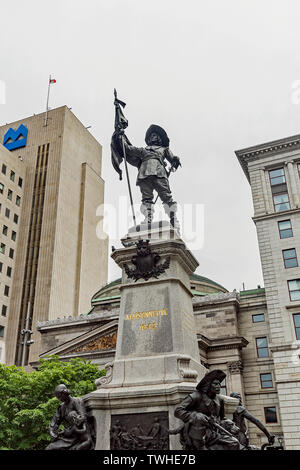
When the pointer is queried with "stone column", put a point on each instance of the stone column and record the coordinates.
(265, 191)
(294, 197)
(235, 369)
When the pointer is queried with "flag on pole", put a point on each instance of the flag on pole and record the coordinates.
(120, 125)
(52, 80)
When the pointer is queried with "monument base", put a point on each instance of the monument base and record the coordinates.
(138, 418)
(157, 360)
(139, 412)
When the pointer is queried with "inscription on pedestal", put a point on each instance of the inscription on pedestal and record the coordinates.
(140, 431)
(149, 330)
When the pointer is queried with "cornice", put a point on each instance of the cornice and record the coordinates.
(165, 248)
(219, 298)
(274, 147)
(79, 320)
(231, 342)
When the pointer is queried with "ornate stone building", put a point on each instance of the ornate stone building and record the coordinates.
(251, 335)
(228, 324)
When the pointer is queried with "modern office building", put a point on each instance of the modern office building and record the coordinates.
(12, 183)
(60, 261)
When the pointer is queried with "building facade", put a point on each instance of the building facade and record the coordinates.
(251, 335)
(273, 170)
(228, 325)
(12, 183)
(60, 261)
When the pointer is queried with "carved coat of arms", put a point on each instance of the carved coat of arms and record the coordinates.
(146, 263)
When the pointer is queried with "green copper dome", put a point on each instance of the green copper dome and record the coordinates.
(200, 286)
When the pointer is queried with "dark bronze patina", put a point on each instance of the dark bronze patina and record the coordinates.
(240, 416)
(79, 431)
(202, 412)
(205, 426)
(151, 162)
(140, 431)
(146, 263)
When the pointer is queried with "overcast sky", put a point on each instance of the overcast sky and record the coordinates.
(217, 75)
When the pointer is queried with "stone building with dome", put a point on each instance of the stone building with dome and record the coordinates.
(227, 323)
(252, 335)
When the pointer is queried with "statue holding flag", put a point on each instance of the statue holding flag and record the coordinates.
(151, 163)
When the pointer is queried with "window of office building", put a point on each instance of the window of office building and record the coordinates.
(270, 414)
(16, 218)
(7, 213)
(12, 175)
(13, 235)
(277, 176)
(20, 182)
(259, 317)
(1, 267)
(296, 317)
(290, 258)
(6, 291)
(281, 202)
(4, 167)
(9, 194)
(262, 347)
(279, 190)
(8, 271)
(18, 200)
(1, 331)
(4, 311)
(285, 229)
(294, 289)
(266, 380)
(5, 230)
(1, 188)
(11, 253)
(2, 248)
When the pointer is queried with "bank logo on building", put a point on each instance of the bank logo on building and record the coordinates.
(15, 139)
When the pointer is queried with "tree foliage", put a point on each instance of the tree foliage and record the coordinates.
(27, 404)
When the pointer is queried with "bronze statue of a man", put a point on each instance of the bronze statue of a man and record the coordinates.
(152, 174)
(203, 412)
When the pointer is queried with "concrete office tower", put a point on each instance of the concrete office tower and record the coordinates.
(60, 262)
(12, 171)
(273, 171)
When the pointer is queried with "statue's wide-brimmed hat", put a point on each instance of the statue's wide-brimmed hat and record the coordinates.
(210, 377)
(161, 132)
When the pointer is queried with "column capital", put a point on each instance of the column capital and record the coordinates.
(235, 367)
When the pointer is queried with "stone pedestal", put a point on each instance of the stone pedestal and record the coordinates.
(157, 357)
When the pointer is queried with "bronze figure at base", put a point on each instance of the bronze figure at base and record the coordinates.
(204, 424)
(78, 434)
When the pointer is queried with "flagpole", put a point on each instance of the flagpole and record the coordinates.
(128, 182)
(117, 129)
(47, 107)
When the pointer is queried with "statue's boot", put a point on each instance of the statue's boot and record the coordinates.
(171, 210)
(147, 211)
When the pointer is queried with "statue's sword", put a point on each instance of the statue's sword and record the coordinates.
(171, 170)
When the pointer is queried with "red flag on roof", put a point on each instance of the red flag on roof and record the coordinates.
(52, 80)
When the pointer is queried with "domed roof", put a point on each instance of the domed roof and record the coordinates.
(197, 277)
(200, 286)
